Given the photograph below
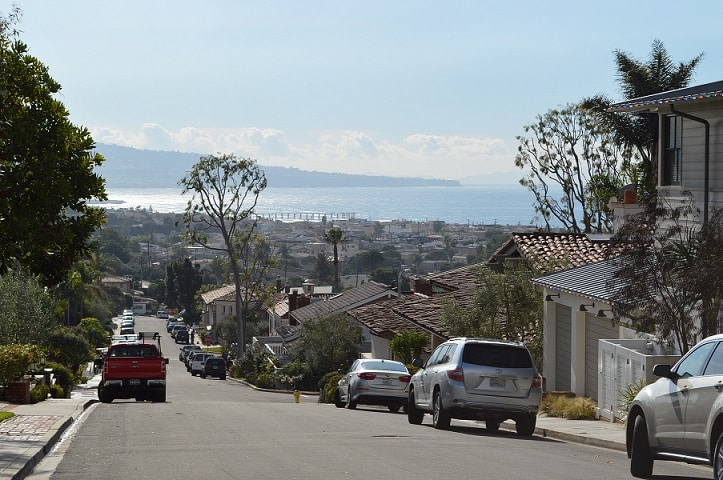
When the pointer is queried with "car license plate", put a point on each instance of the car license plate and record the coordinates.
(497, 383)
(134, 382)
(386, 381)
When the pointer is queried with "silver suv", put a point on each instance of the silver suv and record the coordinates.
(477, 379)
(680, 416)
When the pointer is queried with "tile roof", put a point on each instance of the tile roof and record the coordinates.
(693, 94)
(219, 294)
(361, 295)
(546, 251)
(462, 278)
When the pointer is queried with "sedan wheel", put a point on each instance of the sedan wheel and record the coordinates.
(349, 403)
(440, 418)
(337, 400)
(641, 459)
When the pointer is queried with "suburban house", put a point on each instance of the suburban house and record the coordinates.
(218, 305)
(690, 169)
(690, 145)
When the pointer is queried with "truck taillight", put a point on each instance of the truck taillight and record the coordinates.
(455, 374)
(366, 376)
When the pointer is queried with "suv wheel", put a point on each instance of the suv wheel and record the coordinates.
(641, 459)
(440, 418)
(525, 425)
(414, 414)
(718, 459)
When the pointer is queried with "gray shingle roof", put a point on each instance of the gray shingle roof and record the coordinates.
(689, 94)
(348, 299)
(594, 281)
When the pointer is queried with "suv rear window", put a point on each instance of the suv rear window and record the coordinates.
(500, 356)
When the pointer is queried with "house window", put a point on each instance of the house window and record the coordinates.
(671, 174)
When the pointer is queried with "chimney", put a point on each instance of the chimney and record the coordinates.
(278, 283)
(293, 301)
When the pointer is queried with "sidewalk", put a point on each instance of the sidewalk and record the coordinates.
(31, 434)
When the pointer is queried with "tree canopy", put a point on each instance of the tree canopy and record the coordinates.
(46, 168)
(225, 190)
(574, 166)
(639, 131)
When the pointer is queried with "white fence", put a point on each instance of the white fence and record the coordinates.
(622, 362)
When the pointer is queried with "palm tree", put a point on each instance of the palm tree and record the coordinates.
(335, 237)
(639, 132)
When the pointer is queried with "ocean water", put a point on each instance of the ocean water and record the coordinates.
(475, 205)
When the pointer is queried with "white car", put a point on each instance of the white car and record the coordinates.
(197, 361)
(680, 416)
(374, 382)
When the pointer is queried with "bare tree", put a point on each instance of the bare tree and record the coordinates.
(575, 166)
(225, 192)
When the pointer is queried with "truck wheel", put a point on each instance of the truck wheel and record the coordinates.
(103, 396)
(159, 396)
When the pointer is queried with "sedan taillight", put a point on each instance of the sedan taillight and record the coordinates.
(455, 374)
(405, 378)
(366, 376)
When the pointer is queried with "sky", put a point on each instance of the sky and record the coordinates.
(410, 88)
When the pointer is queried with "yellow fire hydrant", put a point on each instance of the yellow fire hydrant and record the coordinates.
(297, 396)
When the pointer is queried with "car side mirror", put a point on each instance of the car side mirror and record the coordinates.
(418, 362)
(663, 370)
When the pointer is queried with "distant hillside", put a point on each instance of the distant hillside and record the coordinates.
(128, 167)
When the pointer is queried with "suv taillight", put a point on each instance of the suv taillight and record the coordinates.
(455, 374)
(537, 381)
(366, 376)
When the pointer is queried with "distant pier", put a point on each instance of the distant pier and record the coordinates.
(306, 216)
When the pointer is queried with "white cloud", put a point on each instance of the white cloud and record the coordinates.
(419, 155)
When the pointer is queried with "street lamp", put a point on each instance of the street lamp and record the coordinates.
(402, 270)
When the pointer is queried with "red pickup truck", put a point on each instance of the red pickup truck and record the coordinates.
(134, 369)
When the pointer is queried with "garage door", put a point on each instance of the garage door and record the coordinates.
(563, 348)
(596, 328)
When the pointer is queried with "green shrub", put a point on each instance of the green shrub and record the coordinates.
(566, 405)
(328, 386)
(64, 376)
(628, 395)
(39, 393)
(56, 391)
(265, 380)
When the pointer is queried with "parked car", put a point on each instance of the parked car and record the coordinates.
(127, 330)
(182, 336)
(373, 382)
(679, 417)
(197, 361)
(178, 328)
(477, 379)
(161, 314)
(214, 367)
(186, 350)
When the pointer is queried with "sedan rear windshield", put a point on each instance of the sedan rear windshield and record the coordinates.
(500, 356)
(394, 367)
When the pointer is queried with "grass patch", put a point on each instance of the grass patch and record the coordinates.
(6, 415)
(564, 405)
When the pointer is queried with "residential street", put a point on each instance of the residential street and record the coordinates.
(224, 429)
